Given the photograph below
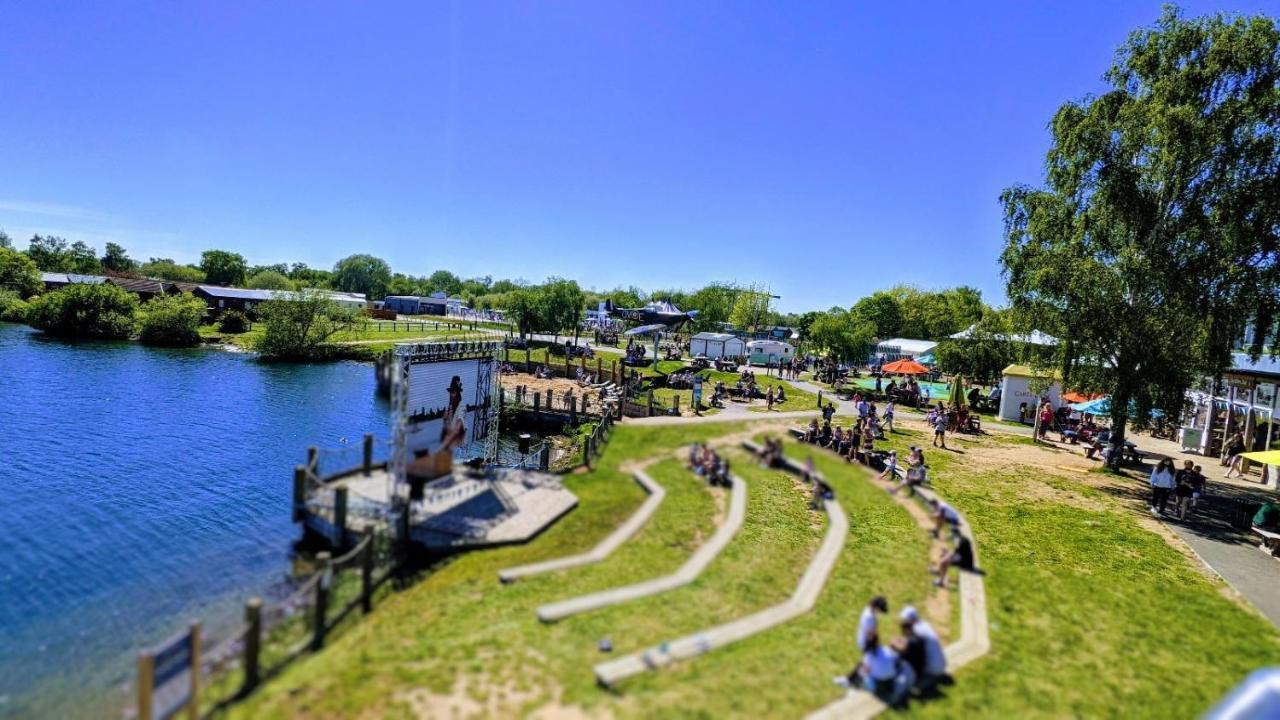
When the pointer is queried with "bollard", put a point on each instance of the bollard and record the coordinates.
(650, 403)
(325, 562)
(299, 492)
(252, 645)
(340, 516)
(549, 397)
(366, 577)
(368, 454)
(524, 441)
(819, 398)
(676, 405)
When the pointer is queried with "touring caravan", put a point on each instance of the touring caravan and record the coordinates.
(763, 352)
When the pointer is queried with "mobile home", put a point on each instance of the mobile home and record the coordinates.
(763, 352)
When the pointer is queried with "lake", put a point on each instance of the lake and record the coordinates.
(145, 488)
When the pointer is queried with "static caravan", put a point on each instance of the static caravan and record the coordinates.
(763, 352)
(1017, 399)
(717, 345)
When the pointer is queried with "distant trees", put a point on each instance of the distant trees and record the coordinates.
(840, 334)
(102, 311)
(362, 274)
(988, 350)
(54, 254)
(309, 277)
(269, 280)
(115, 259)
(18, 273)
(752, 308)
(5, 241)
(222, 267)
(167, 269)
(1156, 236)
(297, 328)
(171, 320)
(13, 308)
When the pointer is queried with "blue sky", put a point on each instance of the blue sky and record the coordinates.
(824, 149)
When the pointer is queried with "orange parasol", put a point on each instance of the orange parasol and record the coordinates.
(1079, 397)
(905, 367)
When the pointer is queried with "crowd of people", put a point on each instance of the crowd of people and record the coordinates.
(709, 464)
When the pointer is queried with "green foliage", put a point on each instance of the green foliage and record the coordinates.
(986, 353)
(1155, 238)
(935, 314)
(83, 259)
(269, 280)
(298, 327)
(714, 304)
(307, 277)
(883, 311)
(842, 335)
(752, 308)
(445, 282)
(166, 269)
(53, 254)
(85, 311)
(362, 274)
(561, 302)
(222, 267)
(233, 322)
(5, 241)
(12, 307)
(171, 320)
(115, 258)
(19, 273)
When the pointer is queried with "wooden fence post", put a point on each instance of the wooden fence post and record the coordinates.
(573, 410)
(299, 492)
(819, 398)
(146, 683)
(340, 516)
(650, 402)
(599, 361)
(537, 402)
(502, 396)
(544, 458)
(325, 561)
(676, 405)
(549, 403)
(366, 577)
(252, 645)
(368, 454)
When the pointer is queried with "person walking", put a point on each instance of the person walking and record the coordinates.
(940, 430)
(1162, 483)
(888, 416)
(1185, 489)
(768, 399)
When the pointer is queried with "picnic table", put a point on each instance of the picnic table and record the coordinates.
(1270, 540)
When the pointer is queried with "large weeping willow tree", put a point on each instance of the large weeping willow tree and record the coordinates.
(1153, 243)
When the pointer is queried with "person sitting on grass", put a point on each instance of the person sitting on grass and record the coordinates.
(959, 556)
(843, 439)
(824, 436)
(878, 672)
(695, 457)
(868, 622)
(868, 445)
(811, 435)
(781, 397)
(924, 649)
(942, 514)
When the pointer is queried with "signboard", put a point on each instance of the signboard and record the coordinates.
(169, 677)
(443, 408)
(697, 392)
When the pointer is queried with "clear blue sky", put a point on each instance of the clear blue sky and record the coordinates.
(824, 149)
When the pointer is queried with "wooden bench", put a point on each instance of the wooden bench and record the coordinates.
(1270, 540)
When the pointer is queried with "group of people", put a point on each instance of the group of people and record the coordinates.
(635, 353)
(892, 669)
(855, 443)
(770, 453)
(786, 369)
(681, 379)
(1186, 486)
(708, 463)
(914, 474)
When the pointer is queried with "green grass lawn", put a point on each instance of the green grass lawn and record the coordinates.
(460, 622)
(1091, 614)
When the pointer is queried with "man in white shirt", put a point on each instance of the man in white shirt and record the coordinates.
(868, 624)
(935, 658)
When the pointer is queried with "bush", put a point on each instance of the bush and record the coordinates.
(18, 273)
(171, 320)
(298, 326)
(85, 311)
(233, 322)
(12, 307)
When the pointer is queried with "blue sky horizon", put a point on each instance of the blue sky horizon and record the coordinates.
(826, 151)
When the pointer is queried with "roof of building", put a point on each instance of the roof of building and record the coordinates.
(907, 345)
(720, 337)
(72, 278)
(238, 293)
(1028, 372)
(1265, 366)
(138, 285)
(757, 343)
(1035, 338)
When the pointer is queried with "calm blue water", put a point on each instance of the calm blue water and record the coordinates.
(143, 488)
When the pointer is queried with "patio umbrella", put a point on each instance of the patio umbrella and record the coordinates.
(955, 396)
(905, 367)
(1097, 406)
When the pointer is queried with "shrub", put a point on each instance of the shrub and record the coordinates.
(12, 307)
(233, 321)
(85, 311)
(298, 326)
(269, 280)
(18, 273)
(171, 320)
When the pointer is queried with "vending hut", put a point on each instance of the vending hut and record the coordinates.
(1243, 400)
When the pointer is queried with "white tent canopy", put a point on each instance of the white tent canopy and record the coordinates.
(1035, 338)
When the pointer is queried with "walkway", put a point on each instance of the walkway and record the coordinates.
(687, 573)
(606, 546)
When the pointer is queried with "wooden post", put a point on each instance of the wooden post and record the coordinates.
(313, 457)
(299, 492)
(544, 459)
(146, 681)
(549, 404)
(537, 402)
(340, 516)
(586, 452)
(573, 409)
(368, 454)
(252, 645)
(599, 362)
(502, 396)
(819, 399)
(366, 577)
(193, 705)
(676, 400)
(650, 402)
(325, 561)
